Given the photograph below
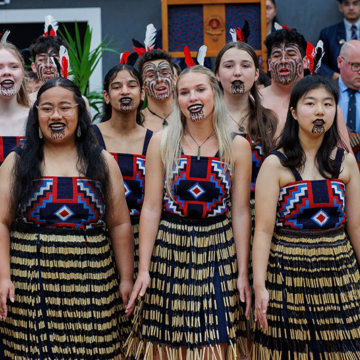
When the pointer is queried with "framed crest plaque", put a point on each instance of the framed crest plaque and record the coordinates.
(197, 22)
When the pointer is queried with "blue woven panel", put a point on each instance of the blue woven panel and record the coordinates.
(236, 15)
(186, 27)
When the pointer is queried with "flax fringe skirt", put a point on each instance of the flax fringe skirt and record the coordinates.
(314, 287)
(66, 296)
(192, 300)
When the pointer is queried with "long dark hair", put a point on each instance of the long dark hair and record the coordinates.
(289, 140)
(91, 163)
(108, 78)
(263, 122)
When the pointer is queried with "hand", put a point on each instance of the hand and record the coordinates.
(261, 304)
(125, 289)
(7, 290)
(141, 284)
(245, 293)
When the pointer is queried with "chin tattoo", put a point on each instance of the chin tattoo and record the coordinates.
(197, 116)
(57, 134)
(238, 89)
(127, 107)
(127, 104)
(154, 73)
(8, 91)
(318, 129)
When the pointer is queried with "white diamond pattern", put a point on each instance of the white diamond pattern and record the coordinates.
(64, 213)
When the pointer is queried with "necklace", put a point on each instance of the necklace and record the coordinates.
(165, 123)
(199, 146)
(240, 123)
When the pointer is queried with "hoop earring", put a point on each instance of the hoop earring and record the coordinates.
(78, 132)
(41, 135)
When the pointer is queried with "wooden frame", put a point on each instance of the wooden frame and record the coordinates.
(211, 8)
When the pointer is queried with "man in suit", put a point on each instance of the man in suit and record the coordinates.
(336, 35)
(349, 85)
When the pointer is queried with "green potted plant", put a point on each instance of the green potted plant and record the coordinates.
(83, 62)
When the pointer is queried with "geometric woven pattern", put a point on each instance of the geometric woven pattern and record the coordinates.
(200, 188)
(312, 205)
(133, 172)
(236, 14)
(185, 27)
(69, 202)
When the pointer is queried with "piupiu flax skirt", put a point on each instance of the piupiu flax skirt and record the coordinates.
(314, 288)
(192, 299)
(66, 296)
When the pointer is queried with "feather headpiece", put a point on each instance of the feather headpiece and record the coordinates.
(314, 55)
(51, 26)
(240, 34)
(5, 36)
(64, 61)
(200, 56)
(63, 65)
(149, 42)
(128, 59)
(277, 26)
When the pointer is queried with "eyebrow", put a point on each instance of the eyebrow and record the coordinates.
(313, 98)
(61, 102)
(197, 85)
(120, 82)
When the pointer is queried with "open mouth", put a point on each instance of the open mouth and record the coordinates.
(195, 108)
(126, 100)
(7, 84)
(58, 126)
(161, 88)
(49, 73)
(284, 71)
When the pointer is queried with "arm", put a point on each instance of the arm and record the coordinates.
(344, 134)
(266, 198)
(351, 178)
(118, 222)
(150, 215)
(240, 215)
(7, 289)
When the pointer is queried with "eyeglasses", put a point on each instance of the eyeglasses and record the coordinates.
(354, 66)
(63, 110)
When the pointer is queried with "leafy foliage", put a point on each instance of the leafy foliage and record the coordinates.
(83, 63)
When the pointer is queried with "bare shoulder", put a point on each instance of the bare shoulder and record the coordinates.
(349, 167)
(6, 169)
(156, 138)
(272, 160)
(110, 161)
(241, 144)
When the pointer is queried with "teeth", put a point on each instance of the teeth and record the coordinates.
(57, 126)
(195, 108)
